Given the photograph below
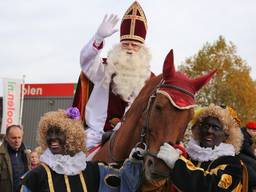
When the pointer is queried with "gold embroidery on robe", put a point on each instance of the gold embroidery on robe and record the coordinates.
(225, 181)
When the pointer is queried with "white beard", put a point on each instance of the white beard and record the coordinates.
(130, 71)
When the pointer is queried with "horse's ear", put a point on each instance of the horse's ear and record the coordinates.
(200, 81)
(168, 68)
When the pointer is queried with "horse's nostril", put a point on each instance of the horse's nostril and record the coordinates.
(150, 163)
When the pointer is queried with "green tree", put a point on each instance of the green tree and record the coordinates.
(231, 85)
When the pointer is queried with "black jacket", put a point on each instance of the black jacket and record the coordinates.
(249, 159)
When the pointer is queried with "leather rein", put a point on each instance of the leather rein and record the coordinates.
(142, 143)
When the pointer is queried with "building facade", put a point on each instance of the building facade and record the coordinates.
(39, 99)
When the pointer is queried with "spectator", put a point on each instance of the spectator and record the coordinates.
(39, 150)
(247, 153)
(250, 131)
(213, 164)
(13, 159)
(34, 159)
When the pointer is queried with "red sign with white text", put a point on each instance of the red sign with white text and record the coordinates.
(59, 89)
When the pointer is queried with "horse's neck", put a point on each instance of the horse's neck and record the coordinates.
(126, 138)
(129, 133)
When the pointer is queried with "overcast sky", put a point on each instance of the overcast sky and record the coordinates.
(42, 39)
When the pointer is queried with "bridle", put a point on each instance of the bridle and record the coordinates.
(145, 129)
(142, 143)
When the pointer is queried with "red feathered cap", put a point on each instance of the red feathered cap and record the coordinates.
(251, 125)
(179, 88)
(134, 24)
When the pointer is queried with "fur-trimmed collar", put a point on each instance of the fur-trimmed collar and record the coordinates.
(64, 164)
(203, 154)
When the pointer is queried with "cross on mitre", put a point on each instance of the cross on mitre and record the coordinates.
(134, 24)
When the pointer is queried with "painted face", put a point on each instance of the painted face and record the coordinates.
(211, 132)
(131, 46)
(56, 140)
(14, 138)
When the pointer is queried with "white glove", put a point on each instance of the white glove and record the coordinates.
(106, 28)
(137, 153)
(168, 154)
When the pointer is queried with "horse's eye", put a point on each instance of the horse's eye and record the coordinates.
(158, 107)
(176, 109)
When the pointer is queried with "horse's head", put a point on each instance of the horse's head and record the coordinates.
(167, 114)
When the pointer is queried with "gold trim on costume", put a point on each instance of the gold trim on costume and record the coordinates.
(225, 181)
(135, 7)
(216, 169)
(239, 188)
(244, 184)
(50, 182)
(190, 165)
(83, 181)
(138, 38)
(67, 183)
(49, 177)
(136, 17)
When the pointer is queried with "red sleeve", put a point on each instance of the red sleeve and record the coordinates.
(81, 94)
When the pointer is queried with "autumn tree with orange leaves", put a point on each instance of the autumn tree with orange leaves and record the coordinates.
(231, 85)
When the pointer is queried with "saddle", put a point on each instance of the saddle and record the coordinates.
(106, 136)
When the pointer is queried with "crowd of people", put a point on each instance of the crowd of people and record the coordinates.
(221, 154)
(220, 157)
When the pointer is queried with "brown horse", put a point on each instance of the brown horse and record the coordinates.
(156, 116)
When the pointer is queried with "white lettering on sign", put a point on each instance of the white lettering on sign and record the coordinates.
(32, 91)
(10, 103)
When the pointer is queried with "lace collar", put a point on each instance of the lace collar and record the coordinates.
(64, 164)
(203, 154)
